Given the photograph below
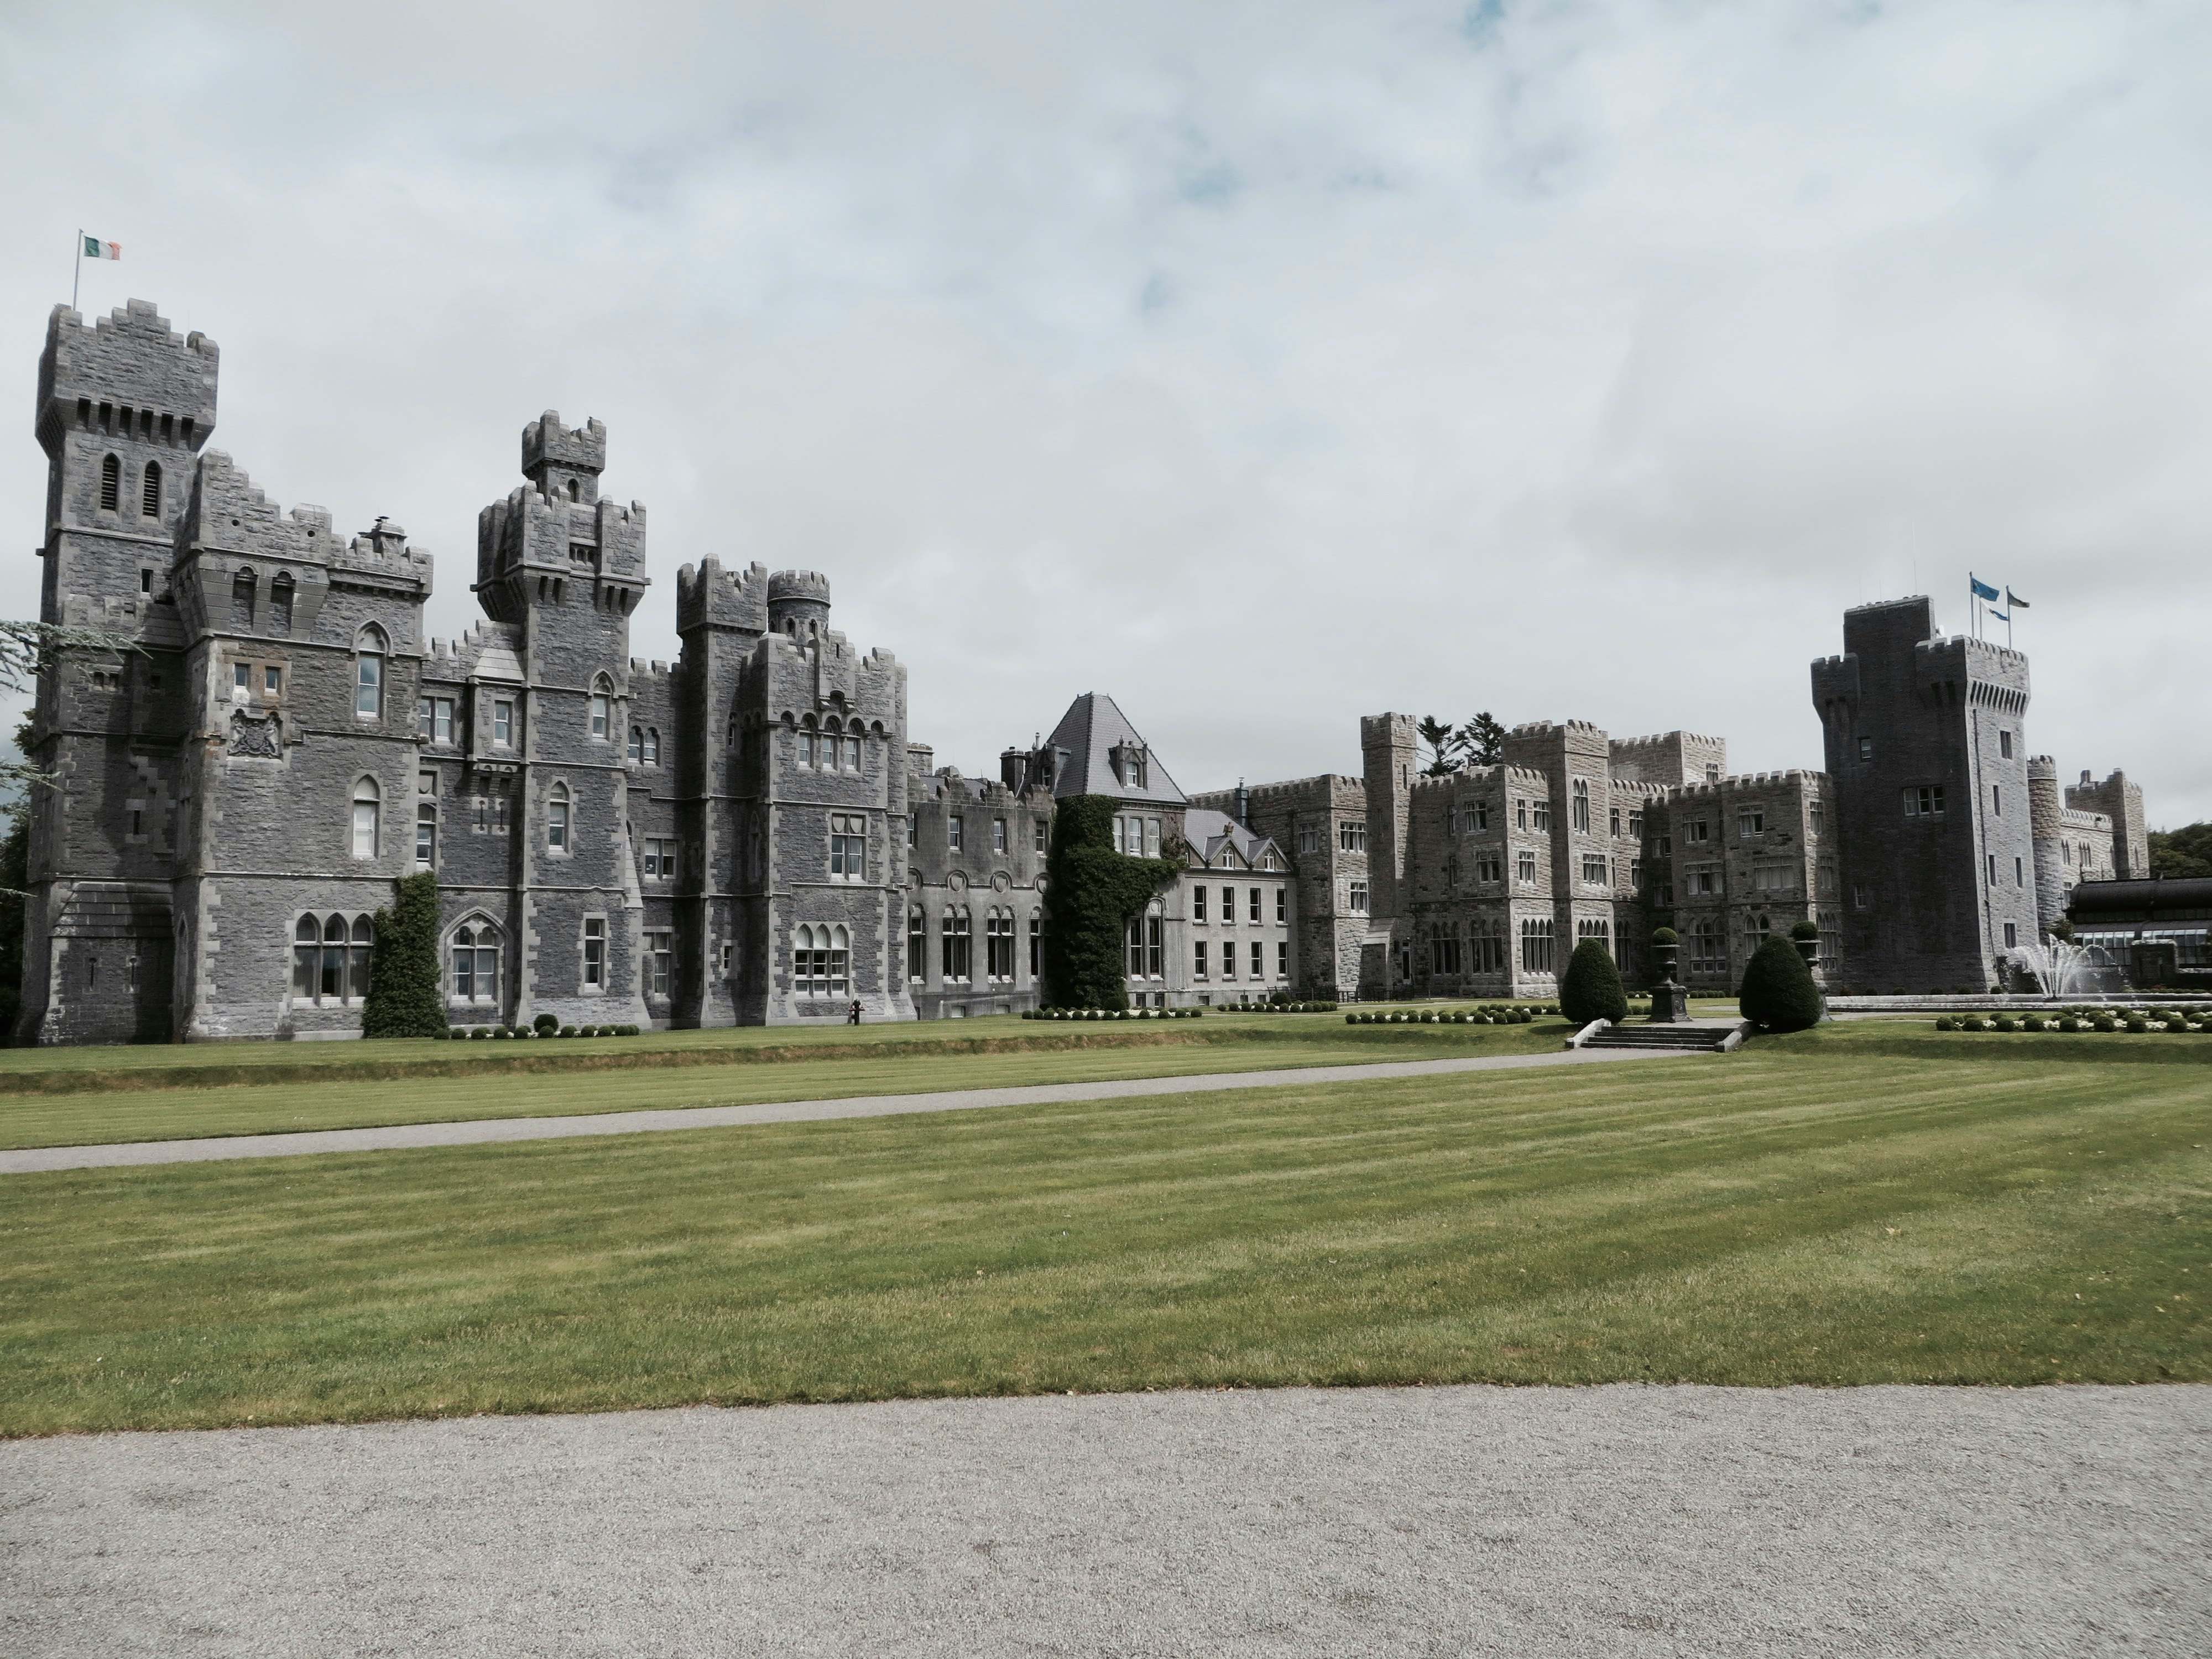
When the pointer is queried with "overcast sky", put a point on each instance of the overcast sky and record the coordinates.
(1263, 365)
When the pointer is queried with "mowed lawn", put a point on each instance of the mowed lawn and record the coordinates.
(1020, 1053)
(1799, 1214)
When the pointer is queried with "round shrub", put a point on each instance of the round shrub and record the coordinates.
(2138, 1025)
(1591, 987)
(545, 1024)
(1946, 1024)
(1778, 993)
(2007, 1023)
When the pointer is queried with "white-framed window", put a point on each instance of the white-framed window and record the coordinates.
(241, 676)
(1228, 906)
(652, 745)
(998, 946)
(1819, 813)
(368, 808)
(329, 958)
(1198, 959)
(1259, 959)
(475, 956)
(1923, 800)
(1708, 949)
(957, 945)
(1696, 829)
(369, 649)
(1037, 834)
(659, 858)
(1636, 823)
(917, 945)
(1228, 958)
(1355, 897)
(1595, 871)
(848, 846)
(557, 819)
(952, 832)
(426, 836)
(1750, 822)
(998, 835)
(1309, 838)
(601, 708)
(806, 742)
(1540, 813)
(637, 743)
(595, 953)
(1282, 958)
(1482, 815)
(1197, 904)
(1489, 866)
(1536, 945)
(1254, 899)
(1282, 906)
(660, 960)
(820, 956)
(1351, 835)
(502, 723)
(1613, 819)
(1036, 948)
(272, 680)
(1524, 867)
(433, 720)
(1580, 806)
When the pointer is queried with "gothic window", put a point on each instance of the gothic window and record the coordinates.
(848, 846)
(651, 746)
(557, 819)
(602, 698)
(1036, 948)
(998, 946)
(369, 648)
(150, 504)
(330, 959)
(636, 744)
(660, 958)
(475, 963)
(1524, 867)
(917, 943)
(819, 960)
(110, 484)
(280, 605)
(956, 942)
(426, 836)
(1580, 806)
(242, 599)
(366, 800)
(1536, 945)
(595, 953)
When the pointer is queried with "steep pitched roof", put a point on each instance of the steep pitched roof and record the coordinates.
(1088, 733)
(1209, 832)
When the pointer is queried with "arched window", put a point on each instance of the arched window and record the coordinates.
(110, 484)
(369, 648)
(366, 805)
(999, 944)
(958, 959)
(150, 498)
(574, 494)
(1582, 805)
(636, 744)
(280, 605)
(476, 962)
(329, 958)
(601, 700)
(242, 599)
(557, 819)
(651, 746)
(426, 836)
(306, 953)
(917, 945)
(821, 960)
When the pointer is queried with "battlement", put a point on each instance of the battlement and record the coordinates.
(547, 443)
(799, 585)
(1744, 782)
(1383, 730)
(1320, 783)
(709, 596)
(129, 376)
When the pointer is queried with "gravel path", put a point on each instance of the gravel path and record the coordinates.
(1528, 1522)
(37, 1159)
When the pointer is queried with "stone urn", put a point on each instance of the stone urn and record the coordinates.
(1670, 1002)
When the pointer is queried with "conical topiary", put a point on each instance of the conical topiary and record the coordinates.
(1591, 989)
(1778, 993)
(406, 993)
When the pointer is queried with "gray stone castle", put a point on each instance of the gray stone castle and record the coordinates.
(748, 836)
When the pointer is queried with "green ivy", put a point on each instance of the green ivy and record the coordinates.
(1092, 894)
(406, 991)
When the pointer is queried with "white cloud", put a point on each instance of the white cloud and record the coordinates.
(1263, 365)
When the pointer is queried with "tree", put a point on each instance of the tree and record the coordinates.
(1481, 741)
(1092, 894)
(2180, 853)
(1778, 993)
(406, 988)
(1590, 988)
(1443, 746)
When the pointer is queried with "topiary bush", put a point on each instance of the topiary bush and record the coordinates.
(406, 991)
(1091, 893)
(1590, 989)
(1778, 992)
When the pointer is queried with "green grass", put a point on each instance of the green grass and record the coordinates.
(1791, 1214)
(1055, 1055)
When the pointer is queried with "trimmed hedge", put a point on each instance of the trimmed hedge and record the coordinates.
(1112, 1013)
(1591, 988)
(1092, 894)
(1778, 994)
(406, 988)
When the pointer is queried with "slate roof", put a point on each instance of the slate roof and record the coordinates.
(1093, 726)
(1209, 832)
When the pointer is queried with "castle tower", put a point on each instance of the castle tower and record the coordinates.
(1389, 752)
(2047, 821)
(1928, 755)
(124, 405)
(2122, 803)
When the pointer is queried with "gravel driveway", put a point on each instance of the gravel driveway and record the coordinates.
(1531, 1521)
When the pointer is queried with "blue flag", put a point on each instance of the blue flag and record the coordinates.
(1982, 589)
(2014, 602)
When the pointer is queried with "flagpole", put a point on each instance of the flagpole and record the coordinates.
(76, 271)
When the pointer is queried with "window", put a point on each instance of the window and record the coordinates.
(366, 800)
(1636, 874)
(2004, 741)
(1594, 873)
(998, 835)
(1351, 836)
(1696, 829)
(1666, 847)
(1037, 834)
(1820, 816)
(819, 960)
(1037, 947)
(601, 704)
(110, 484)
(1258, 960)
(637, 743)
(1750, 822)
(1996, 800)
(1707, 950)
(476, 962)
(1614, 819)
(1254, 900)
(1993, 869)
(242, 599)
(272, 680)
(806, 748)
(1451, 820)
(1581, 807)
(1636, 823)
(280, 605)
(955, 942)
(369, 674)
(1923, 800)
(1282, 906)
(848, 846)
(659, 957)
(1282, 958)
(1520, 814)
(1198, 960)
(2019, 874)
(659, 858)
(2012, 929)
(1536, 945)
(1704, 879)
(1228, 906)
(1197, 904)
(330, 959)
(917, 943)
(998, 946)
(1866, 749)
(1482, 815)
(652, 745)
(1309, 838)
(149, 504)
(595, 952)
(1542, 812)
(502, 723)
(1228, 958)
(1524, 867)
(1860, 896)
(426, 836)
(1774, 878)
(952, 829)
(557, 819)
(433, 720)
(1443, 948)
(1489, 866)
(145, 581)
(1356, 898)
(241, 675)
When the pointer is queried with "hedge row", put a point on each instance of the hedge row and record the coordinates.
(1499, 1015)
(1280, 1008)
(478, 1033)
(2154, 1019)
(1112, 1013)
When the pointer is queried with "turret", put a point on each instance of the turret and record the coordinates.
(798, 604)
(564, 462)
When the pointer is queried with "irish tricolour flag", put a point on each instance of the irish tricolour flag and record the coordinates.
(95, 249)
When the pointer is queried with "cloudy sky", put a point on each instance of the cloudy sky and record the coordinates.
(1261, 364)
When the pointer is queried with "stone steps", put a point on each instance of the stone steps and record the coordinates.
(1707, 1039)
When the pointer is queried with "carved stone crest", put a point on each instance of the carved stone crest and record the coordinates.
(256, 739)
